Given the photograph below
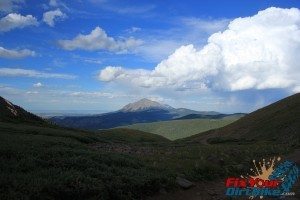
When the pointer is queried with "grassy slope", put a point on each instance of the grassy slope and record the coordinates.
(277, 122)
(128, 135)
(54, 163)
(177, 129)
(39, 162)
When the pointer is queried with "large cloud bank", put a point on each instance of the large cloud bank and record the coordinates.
(257, 52)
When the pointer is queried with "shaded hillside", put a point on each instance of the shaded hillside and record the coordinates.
(213, 116)
(114, 119)
(279, 121)
(176, 129)
(181, 112)
(13, 113)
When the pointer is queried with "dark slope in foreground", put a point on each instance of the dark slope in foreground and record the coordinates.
(13, 113)
(39, 162)
(279, 121)
(51, 163)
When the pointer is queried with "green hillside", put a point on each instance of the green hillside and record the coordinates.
(177, 129)
(278, 122)
(53, 163)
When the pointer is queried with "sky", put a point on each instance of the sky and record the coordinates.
(226, 56)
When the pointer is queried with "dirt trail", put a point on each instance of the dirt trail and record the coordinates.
(214, 190)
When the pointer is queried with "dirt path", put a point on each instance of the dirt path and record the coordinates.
(215, 190)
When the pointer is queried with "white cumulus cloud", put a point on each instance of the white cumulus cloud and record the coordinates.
(10, 53)
(99, 40)
(38, 85)
(14, 20)
(110, 73)
(257, 52)
(51, 16)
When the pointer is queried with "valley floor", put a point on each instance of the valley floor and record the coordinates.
(177, 129)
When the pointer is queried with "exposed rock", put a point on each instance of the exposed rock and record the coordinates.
(184, 183)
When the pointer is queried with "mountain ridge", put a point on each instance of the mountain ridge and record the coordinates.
(13, 113)
(142, 111)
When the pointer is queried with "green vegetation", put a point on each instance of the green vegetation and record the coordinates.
(131, 136)
(177, 129)
(54, 163)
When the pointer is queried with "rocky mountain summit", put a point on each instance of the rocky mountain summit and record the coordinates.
(144, 104)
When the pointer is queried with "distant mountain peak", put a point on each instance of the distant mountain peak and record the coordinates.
(144, 104)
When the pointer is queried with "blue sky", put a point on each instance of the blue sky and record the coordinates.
(228, 56)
